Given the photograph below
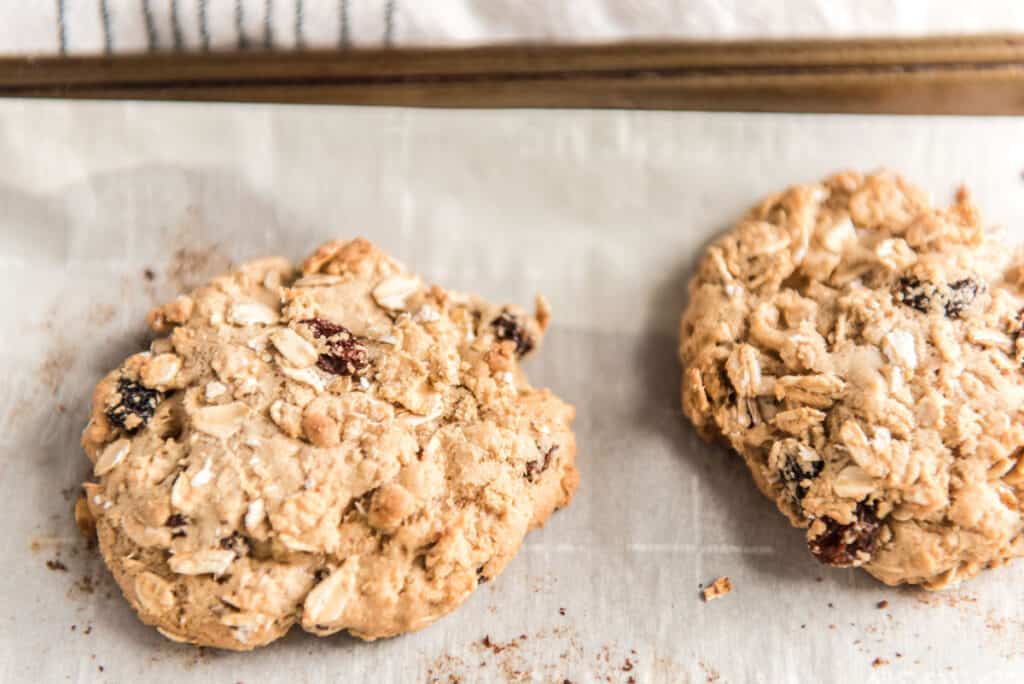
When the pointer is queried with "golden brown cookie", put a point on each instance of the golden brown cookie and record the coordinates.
(864, 352)
(337, 445)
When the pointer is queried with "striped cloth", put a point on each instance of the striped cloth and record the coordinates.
(97, 26)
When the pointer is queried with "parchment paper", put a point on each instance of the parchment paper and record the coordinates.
(106, 209)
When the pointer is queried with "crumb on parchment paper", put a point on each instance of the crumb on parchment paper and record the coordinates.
(717, 589)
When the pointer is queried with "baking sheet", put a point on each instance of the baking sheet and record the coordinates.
(108, 208)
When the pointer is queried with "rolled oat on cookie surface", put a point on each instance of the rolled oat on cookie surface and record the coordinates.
(337, 444)
(864, 352)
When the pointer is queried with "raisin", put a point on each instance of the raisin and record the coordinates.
(507, 327)
(914, 293)
(176, 520)
(481, 578)
(961, 294)
(1018, 335)
(320, 575)
(538, 466)
(136, 405)
(843, 545)
(795, 472)
(796, 463)
(345, 355)
(324, 329)
(237, 542)
(925, 296)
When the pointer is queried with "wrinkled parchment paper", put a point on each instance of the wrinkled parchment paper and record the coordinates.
(106, 209)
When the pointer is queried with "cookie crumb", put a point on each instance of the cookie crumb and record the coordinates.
(717, 589)
(882, 605)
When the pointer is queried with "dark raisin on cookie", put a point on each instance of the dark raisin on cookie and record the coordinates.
(324, 329)
(507, 327)
(135, 405)
(924, 296)
(846, 545)
(1018, 336)
(961, 294)
(176, 520)
(797, 472)
(916, 294)
(535, 468)
(797, 465)
(345, 356)
(237, 542)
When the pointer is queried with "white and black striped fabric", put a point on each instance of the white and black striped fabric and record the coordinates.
(76, 27)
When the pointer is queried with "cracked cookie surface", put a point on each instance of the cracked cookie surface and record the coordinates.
(336, 445)
(864, 352)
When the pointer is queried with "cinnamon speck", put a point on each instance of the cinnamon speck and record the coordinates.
(149, 274)
(85, 585)
(56, 365)
(561, 611)
(56, 565)
(879, 662)
(882, 605)
(711, 674)
(627, 666)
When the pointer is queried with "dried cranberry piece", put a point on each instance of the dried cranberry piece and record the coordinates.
(842, 545)
(136, 405)
(346, 356)
(507, 327)
(535, 468)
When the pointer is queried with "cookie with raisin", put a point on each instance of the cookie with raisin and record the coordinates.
(337, 445)
(863, 351)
